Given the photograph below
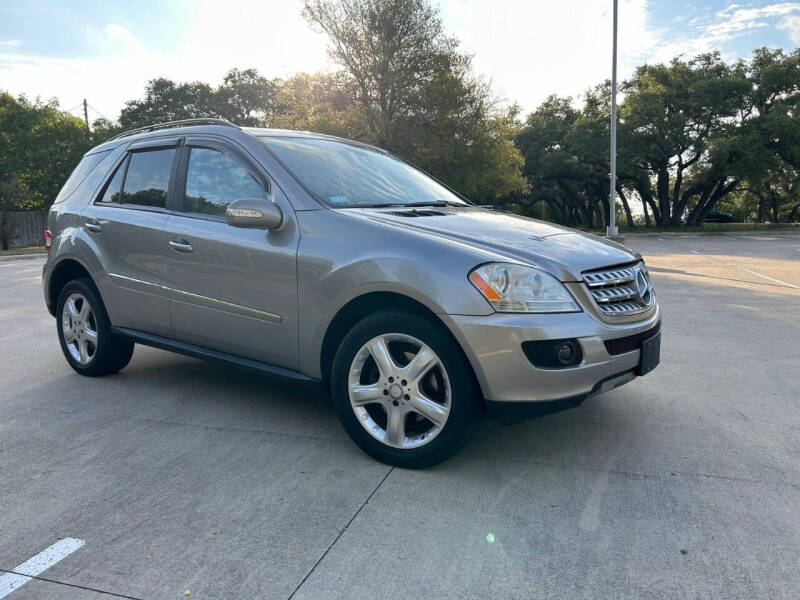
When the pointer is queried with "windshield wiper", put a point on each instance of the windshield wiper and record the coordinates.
(378, 205)
(435, 203)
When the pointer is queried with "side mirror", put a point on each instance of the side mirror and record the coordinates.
(253, 213)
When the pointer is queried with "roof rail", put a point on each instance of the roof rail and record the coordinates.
(171, 124)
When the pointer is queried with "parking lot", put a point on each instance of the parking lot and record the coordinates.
(182, 475)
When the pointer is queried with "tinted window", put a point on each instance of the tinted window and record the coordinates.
(347, 175)
(114, 186)
(148, 177)
(214, 180)
(86, 166)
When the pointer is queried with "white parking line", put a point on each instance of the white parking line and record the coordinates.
(757, 274)
(36, 564)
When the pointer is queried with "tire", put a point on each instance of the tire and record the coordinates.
(84, 331)
(382, 408)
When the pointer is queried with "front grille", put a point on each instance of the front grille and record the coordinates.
(629, 343)
(617, 291)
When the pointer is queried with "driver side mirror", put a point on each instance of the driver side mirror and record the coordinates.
(253, 213)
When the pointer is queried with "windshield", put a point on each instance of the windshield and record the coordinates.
(344, 175)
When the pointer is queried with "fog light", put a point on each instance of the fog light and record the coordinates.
(566, 353)
(553, 354)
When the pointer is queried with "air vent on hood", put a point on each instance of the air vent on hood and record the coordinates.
(418, 213)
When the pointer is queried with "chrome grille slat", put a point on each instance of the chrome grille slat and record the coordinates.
(615, 290)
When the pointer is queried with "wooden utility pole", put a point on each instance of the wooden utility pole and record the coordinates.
(86, 113)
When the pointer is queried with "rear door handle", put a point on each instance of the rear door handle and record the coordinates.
(181, 245)
(93, 226)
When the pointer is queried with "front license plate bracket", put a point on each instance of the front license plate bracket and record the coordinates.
(650, 355)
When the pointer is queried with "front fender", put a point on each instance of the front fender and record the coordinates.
(341, 259)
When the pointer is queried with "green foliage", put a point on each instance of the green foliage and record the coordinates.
(410, 90)
(244, 97)
(693, 135)
(39, 147)
(690, 133)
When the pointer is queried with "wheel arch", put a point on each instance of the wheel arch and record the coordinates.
(369, 303)
(63, 272)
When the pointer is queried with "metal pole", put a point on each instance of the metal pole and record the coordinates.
(612, 230)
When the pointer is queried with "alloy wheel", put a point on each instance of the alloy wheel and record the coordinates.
(399, 390)
(79, 327)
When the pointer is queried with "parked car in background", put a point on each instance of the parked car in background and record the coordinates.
(318, 258)
(715, 217)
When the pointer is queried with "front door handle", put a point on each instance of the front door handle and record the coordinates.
(93, 226)
(181, 245)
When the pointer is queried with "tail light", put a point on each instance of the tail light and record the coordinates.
(48, 239)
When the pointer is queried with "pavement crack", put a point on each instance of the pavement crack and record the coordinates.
(73, 585)
(339, 535)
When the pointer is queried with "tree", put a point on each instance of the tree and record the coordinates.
(322, 103)
(773, 135)
(39, 147)
(245, 97)
(690, 135)
(416, 94)
(669, 117)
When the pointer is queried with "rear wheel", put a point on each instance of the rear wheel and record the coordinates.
(84, 331)
(404, 391)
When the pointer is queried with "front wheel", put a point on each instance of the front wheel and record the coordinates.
(404, 391)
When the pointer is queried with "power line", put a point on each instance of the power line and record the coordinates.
(99, 113)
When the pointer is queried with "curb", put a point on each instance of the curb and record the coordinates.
(8, 257)
(713, 233)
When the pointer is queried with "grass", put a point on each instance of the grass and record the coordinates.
(28, 250)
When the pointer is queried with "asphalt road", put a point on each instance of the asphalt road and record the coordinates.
(181, 475)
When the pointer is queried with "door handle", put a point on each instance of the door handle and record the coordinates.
(181, 245)
(93, 226)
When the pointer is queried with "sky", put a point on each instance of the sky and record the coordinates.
(528, 49)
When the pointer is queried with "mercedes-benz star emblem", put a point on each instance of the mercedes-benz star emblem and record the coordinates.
(643, 287)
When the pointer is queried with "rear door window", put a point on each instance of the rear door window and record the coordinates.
(147, 178)
(214, 179)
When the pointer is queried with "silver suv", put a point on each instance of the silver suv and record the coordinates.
(318, 258)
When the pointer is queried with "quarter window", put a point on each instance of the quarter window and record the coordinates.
(214, 180)
(86, 166)
(112, 193)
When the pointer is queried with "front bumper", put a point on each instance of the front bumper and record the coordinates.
(493, 345)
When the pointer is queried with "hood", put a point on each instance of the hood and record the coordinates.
(561, 251)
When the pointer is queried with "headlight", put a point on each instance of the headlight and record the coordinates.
(517, 288)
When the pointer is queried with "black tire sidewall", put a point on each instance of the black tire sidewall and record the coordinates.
(465, 411)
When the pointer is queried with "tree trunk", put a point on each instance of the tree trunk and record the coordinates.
(628, 215)
(677, 210)
(662, 191)
(720, 190)
(794, 213)
(774, 207)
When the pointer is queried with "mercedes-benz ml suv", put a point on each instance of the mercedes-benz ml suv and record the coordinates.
(319, 258)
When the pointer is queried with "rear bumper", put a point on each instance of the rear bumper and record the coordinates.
(493, 345)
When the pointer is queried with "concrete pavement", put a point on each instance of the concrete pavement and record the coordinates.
(183, 475)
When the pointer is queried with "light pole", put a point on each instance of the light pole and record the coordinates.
(612, 230)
